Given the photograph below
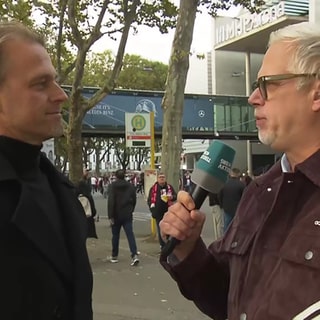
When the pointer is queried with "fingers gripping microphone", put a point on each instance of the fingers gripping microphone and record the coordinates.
(210, 174)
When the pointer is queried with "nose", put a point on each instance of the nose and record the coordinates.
(255, 99)
(59, 94)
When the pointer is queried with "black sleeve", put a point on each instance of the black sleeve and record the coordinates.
(134, 197)
(110, 201)
(174, 194)
(149, 197)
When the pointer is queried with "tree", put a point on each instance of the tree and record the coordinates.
(73, 26)
(172, 103)
(137, 73)
(123, 13)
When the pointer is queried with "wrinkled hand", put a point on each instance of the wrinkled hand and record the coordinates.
(184, 223)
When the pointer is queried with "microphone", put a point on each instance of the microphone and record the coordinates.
(210, 174)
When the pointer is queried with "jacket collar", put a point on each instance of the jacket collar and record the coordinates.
(308, 168)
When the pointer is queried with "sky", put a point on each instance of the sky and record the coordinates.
(149, 43)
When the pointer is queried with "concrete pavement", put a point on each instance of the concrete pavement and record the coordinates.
(145, 292)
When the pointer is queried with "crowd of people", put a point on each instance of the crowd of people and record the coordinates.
(100, 183)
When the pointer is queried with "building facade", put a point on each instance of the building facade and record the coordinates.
(238, 46)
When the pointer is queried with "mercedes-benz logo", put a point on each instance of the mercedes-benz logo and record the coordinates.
(201, 113)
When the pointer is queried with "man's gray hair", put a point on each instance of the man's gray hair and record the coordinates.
(15, 30)
(304, 38)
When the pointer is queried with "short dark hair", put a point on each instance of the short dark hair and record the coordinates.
(120, 174)
(12, 30)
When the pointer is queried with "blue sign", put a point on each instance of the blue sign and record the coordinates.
(109, 114)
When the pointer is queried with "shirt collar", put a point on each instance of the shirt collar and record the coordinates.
(285, 165)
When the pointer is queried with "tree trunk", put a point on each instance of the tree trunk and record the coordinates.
(74, 141)
(173, 100)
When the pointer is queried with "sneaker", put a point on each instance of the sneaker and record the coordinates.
(114, 260)
(135, 260)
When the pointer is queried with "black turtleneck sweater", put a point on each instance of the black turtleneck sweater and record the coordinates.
(25, 160)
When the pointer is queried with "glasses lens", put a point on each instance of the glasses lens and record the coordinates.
(260, 84)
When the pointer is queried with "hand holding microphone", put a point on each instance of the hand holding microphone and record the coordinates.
(210, 174)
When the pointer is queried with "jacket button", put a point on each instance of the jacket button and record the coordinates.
(234, 244)
(57, 313)
(308, 255)
(243, 316)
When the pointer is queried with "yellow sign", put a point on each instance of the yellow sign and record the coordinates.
(138, 122)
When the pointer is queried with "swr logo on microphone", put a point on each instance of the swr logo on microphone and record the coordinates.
(224, 165)
(205, 157)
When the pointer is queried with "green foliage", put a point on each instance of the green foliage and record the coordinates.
(137, 73)
(19, 10)
(141, 74)
(212, 6)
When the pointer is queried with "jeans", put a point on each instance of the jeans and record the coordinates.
(161, 242)
(227, 220)
(128, 229)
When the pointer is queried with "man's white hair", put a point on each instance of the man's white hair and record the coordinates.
(304, 38)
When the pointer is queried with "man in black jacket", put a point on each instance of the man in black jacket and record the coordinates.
(122, 200)
(230, 196)
(44, 270)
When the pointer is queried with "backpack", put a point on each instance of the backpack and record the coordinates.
(85, 204)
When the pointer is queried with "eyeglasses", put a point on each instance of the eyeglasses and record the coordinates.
(161, 177)
(262, 82)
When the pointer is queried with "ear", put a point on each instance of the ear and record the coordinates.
(316, 98)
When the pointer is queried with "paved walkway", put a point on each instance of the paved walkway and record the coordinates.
(145, 292)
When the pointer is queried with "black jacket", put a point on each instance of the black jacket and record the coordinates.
(230, 195)
(122, 199)
(42, 275)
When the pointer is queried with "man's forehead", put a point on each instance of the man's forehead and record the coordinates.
(272, 63)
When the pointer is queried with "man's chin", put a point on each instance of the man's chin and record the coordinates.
(266, 139)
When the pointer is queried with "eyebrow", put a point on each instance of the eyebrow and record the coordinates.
(45, 76)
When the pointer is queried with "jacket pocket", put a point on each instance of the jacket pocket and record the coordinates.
(302, 249)
(237, 241)
(296, 281)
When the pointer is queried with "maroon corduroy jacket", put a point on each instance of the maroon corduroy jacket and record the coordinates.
(267, 266)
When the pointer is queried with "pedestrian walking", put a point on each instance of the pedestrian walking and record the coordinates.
(44, 271)
(122, 200)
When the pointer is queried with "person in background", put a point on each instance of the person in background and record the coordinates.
(122, 199)
(217, 215)
(45, 271)
(84, 188)
(187, 183)
(266, 266)
(230, 196)
(160, 197)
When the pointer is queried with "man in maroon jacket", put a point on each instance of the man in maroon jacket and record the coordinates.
(267, 265)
